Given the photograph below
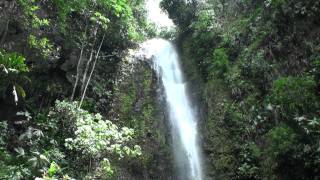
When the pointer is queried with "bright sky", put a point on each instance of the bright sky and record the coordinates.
(156, 15)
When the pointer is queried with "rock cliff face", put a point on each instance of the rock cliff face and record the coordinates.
(140, 104)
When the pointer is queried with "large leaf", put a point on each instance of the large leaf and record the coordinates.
(20, 91)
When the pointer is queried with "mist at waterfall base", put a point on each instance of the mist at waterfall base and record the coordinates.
(165, 62)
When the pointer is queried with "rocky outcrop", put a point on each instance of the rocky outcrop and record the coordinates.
(139, 104)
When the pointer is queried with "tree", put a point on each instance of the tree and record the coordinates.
(11, 67)
(180, 11)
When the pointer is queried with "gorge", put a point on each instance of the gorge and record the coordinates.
(159, 89)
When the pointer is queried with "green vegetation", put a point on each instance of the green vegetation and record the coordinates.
(12, 68)
(220, 63)
(55, 57)
(139, 108)
(72, 105)
(295, 96)
(259, 89)
(13, 61)
(79, 137)
(42, 45)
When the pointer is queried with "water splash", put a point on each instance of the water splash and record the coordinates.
(182, 118)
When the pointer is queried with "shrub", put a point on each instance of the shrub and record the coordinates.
(11, 67)
(43, 45)
(281, 140)
(255, 68)
(220, 63)
(249, 167)
(13, 61)
(295, 96)
(282, 152)
(91, 136)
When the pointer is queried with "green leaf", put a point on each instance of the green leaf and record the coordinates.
(53, 169)
(20, 91)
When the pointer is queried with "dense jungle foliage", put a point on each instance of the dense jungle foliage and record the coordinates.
(254, 69)
(58, 66)
(72, 106)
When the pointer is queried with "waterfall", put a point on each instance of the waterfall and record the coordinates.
(182, 118)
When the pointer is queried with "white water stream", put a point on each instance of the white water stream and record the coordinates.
(182, 117)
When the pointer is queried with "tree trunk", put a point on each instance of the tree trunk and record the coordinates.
(79, 64)
(78, 72)
(88, 63)
(93, 67)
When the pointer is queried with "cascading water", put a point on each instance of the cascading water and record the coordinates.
(182, 118)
